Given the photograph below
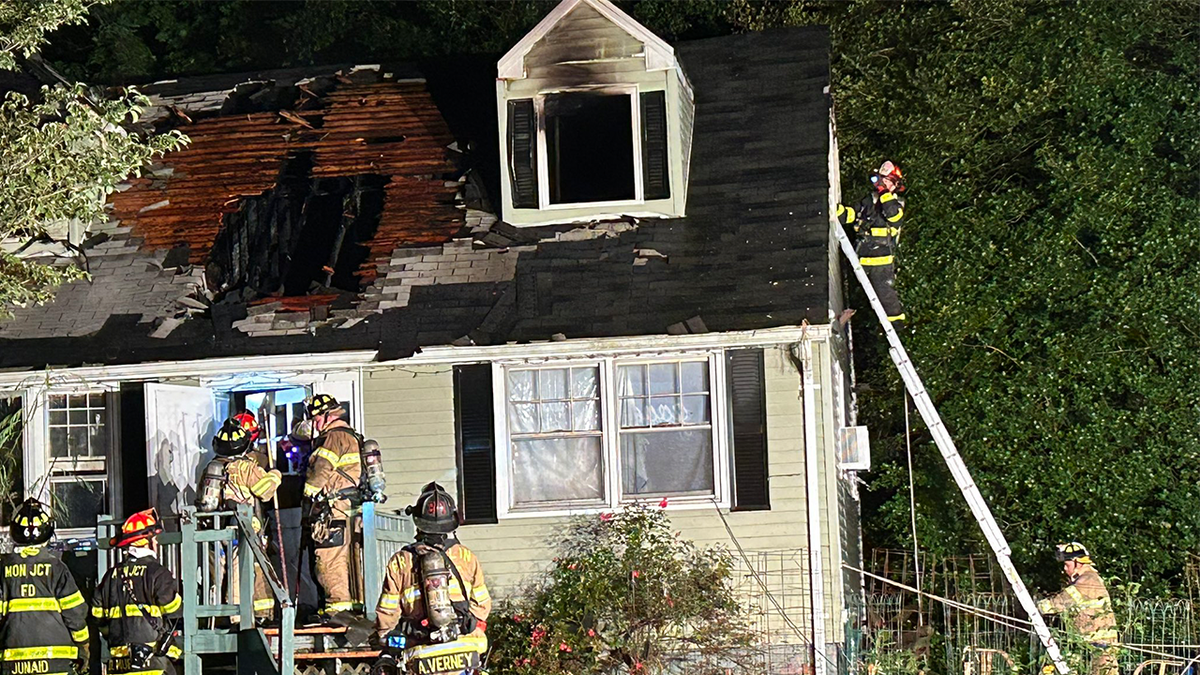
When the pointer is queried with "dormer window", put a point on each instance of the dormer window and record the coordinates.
(595, 120)
(589, 139)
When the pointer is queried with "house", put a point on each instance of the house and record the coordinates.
(621, 285)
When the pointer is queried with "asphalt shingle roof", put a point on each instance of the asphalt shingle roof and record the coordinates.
(752, 252)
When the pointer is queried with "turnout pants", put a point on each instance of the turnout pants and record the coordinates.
(334, 568)
(883, 280)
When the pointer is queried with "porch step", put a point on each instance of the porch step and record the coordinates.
(321, 642)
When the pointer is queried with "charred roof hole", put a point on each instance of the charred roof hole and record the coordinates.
(305, 236)
(589, 147)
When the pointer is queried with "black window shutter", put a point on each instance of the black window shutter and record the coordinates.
(748, 403)
(522, 153)
(474, 434)
(656, 171)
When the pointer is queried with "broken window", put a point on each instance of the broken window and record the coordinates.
(305, 236)
(589, 147)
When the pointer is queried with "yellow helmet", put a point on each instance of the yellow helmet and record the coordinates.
(1072, 551)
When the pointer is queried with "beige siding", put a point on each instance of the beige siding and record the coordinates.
(411, 413)
(585, 48)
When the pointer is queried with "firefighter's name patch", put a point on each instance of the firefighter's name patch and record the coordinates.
(447, 663)
(23, 570)
(26, 667)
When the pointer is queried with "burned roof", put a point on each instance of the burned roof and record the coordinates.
(421, 262)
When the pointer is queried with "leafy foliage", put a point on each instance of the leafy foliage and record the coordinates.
(61, 155)
(625, 595)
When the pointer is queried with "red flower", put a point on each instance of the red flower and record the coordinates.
(564, 647)
(663, 503)
(591, 633)
(636, 574)
(572, 566)
(605, 517)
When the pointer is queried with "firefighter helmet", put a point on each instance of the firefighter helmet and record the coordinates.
(1072, 551)
(888, 178)
(232, 439)
(302, 431)
(32, 524)
(138, 529)
(320, 404)
(434, 512)
(250, 423)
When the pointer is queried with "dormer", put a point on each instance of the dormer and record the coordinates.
(595, 120)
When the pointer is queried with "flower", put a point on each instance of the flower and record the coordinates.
(591, 633)
(564, 647)
(605, 517)
(663, 503)
(636, 574)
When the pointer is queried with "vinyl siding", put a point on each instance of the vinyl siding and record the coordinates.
(410, 413)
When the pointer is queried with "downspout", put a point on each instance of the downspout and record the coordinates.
(812, 499)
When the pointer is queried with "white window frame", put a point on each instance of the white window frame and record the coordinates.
(610, 435)
(543, 154)
(38, 476)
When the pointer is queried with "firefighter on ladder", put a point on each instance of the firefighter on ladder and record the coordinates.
(334, 469)
(43, 618)
(137, 602)
(235, 478)
(877, 221)
(1086, 602)
(403, 600)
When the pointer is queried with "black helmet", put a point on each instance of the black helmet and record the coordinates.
(320, 404)
(434, 512)
(32, 524)
(232, 439)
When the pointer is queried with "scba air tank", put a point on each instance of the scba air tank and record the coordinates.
(212, 483)
(373, 476)
(435, 582)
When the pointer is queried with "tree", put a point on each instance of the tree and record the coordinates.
(61, 152)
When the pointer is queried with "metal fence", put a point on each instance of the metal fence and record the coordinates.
(1159, 635)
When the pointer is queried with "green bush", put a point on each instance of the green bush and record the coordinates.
(626, 594)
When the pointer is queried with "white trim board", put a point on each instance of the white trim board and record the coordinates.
(659, 54)
(365, 359)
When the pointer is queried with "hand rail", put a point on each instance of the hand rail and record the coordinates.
(252, 553)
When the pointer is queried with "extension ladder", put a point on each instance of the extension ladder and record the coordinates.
(945, 444)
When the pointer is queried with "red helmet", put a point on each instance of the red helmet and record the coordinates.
(888, 178)
(138, 529)
(249, 422)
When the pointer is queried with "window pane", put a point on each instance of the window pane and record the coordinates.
(663, 378)
(586, 415)
(78, 417)
(552, 384)
(77, 502)
(96, 400)
(695, 410)
(584, 383)
(77, 400)
(77, 441)
(556, 416)
(58, 401)
(667, 462)
(557, 469)
(521, 385)
(631, 381)
(523, 418)
(58, 417)
(58, 441)
(633, 412)
(98, 440)
(664, 410)
(695, 376)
